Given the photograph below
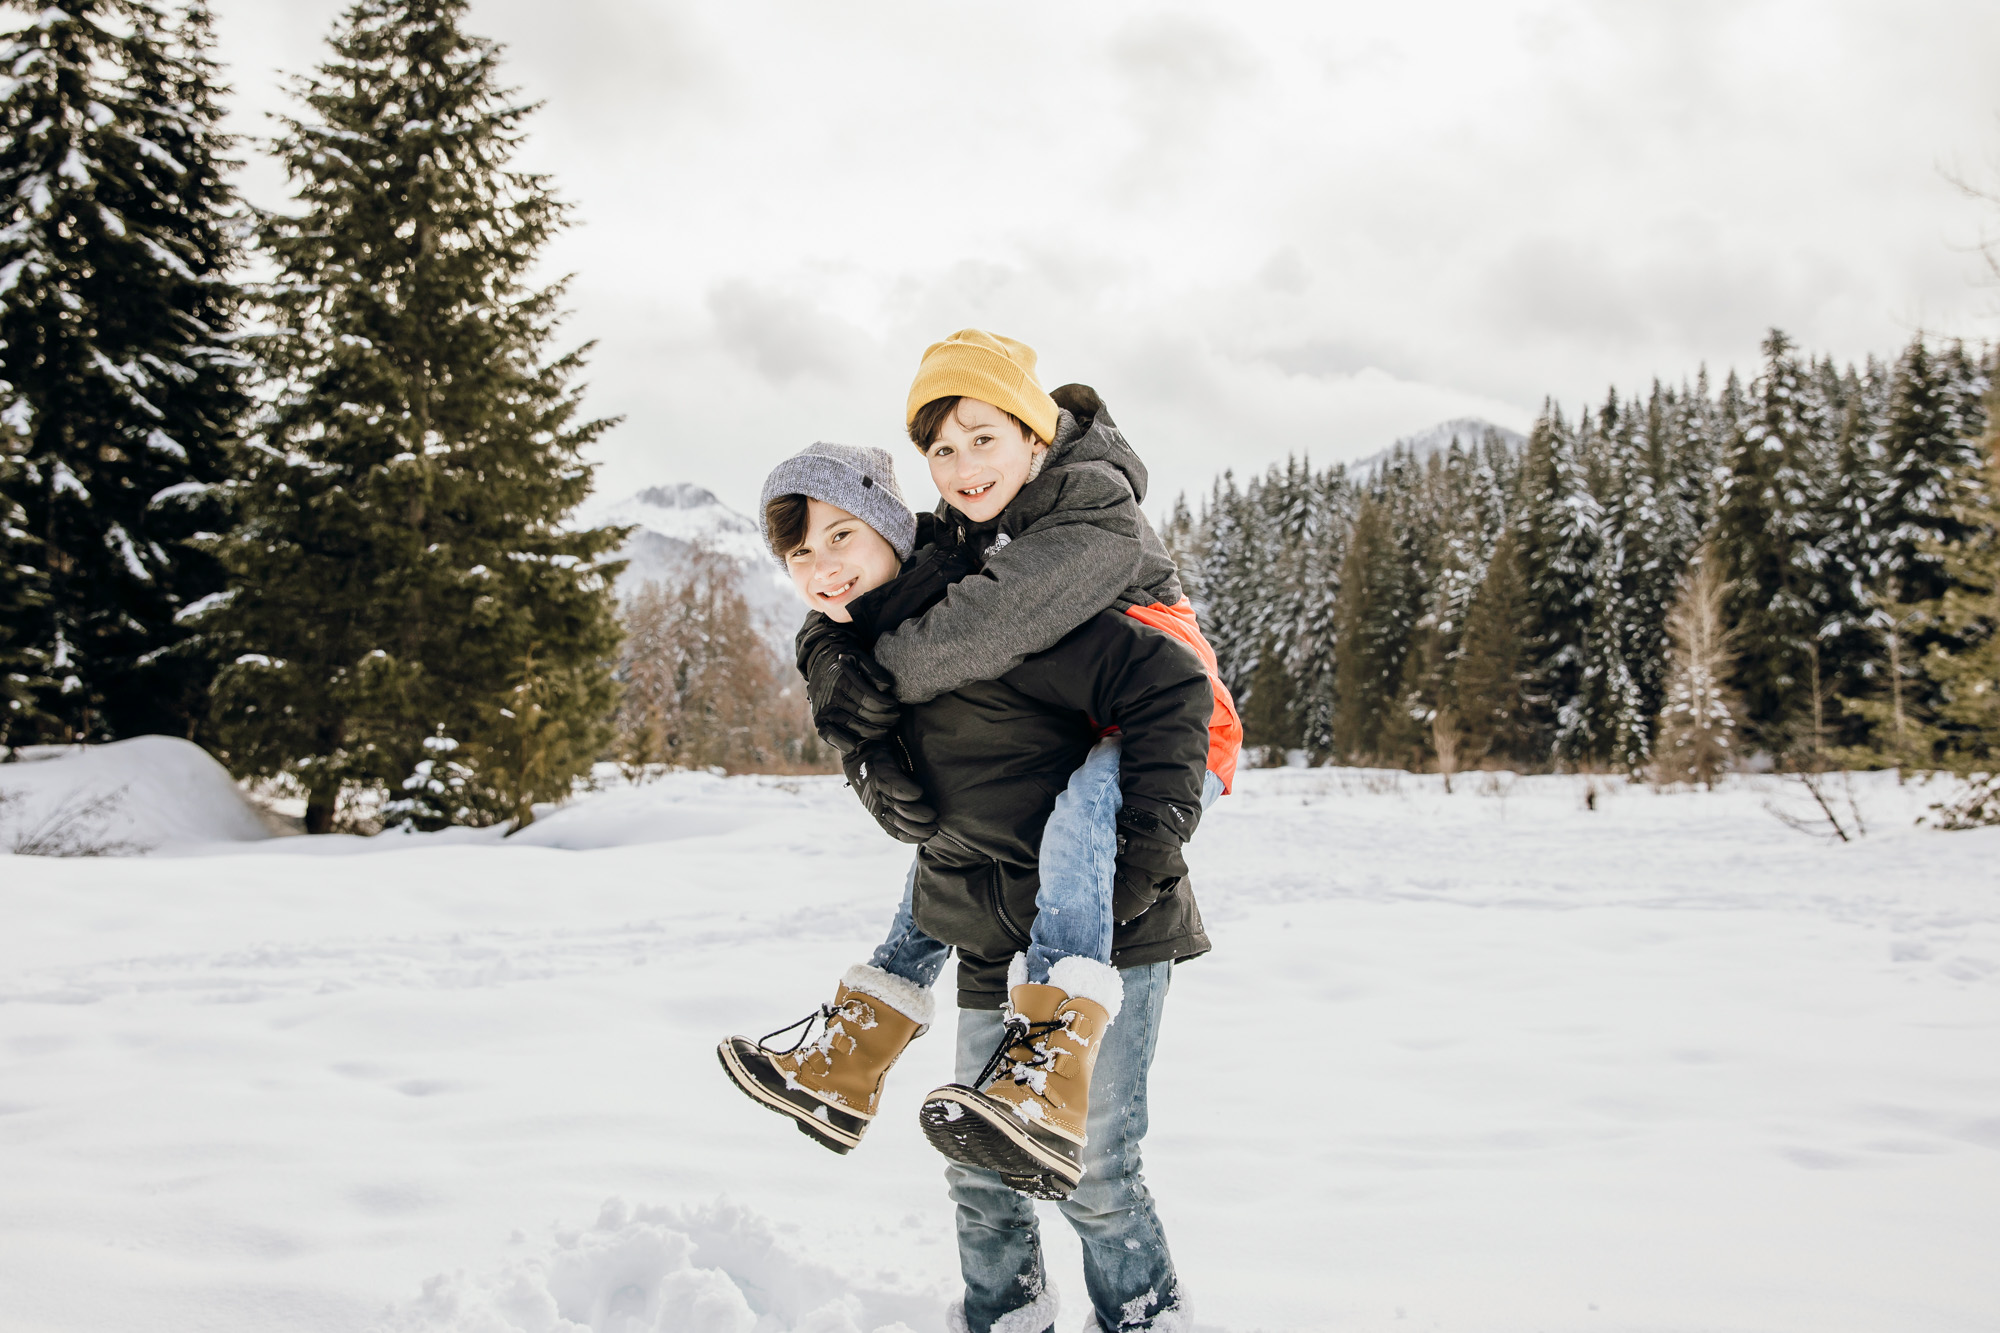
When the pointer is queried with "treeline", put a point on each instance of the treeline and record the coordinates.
(700, 687)
(1488, 606)
(319, 522)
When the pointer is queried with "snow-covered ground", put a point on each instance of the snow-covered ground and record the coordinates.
(1486, 1062)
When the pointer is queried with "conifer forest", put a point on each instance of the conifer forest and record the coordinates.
(1796, 570)
(297, 483)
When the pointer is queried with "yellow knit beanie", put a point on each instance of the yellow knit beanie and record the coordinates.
(975, 364)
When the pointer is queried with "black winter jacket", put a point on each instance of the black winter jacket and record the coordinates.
(994, 755)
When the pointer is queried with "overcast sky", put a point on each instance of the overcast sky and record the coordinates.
(1256, 228)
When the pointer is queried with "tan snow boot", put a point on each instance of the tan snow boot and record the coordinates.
(1025, 1117)
(832, 1085)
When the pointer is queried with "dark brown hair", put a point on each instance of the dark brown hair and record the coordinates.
(924, 425)
(785, 524)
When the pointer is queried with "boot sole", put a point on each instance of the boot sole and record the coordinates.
(973, 1129)
(749, 1069)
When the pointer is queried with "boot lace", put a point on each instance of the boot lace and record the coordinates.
(1018, 1031)
(824, 1016)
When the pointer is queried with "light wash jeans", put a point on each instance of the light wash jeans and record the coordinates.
(1073, 905)
(1127, 1271)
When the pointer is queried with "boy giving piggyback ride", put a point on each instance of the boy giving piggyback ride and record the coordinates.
(1018, 687)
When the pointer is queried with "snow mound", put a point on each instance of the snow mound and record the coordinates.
(719, 1269)
(673, 807)
(126, 797)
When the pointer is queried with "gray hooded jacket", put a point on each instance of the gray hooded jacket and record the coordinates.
(1073, 543)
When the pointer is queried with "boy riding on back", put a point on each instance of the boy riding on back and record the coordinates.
(1040, 612)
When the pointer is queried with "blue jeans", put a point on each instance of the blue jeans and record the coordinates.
(1073, 904)
(1126, 1267)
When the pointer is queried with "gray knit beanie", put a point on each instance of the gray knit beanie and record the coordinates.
(861, 481)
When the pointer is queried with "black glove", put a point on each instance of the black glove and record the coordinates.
(1149, 864)
(852, 699)
(889, 793)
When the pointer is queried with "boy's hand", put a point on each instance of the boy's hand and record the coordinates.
(922, 585)
(1149, 864)
(852, 698)
(889, 793)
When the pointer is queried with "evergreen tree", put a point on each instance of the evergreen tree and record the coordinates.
(1963, 664)
(1559, 532)
(23, 667)
(1487, 678)
(1643, 569)
(1852, 543)
(1767, 537)
(406, 575)
(1373, 630)
(119, 386)
(1182, 538)
(1928, 467)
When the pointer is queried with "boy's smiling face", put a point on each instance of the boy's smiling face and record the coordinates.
(980, 459)
(840, 558)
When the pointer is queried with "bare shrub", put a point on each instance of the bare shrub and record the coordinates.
(1833, 812)
(700, 688)
(1975, 805)
(1699, 723)
(1444, 742)
(1370, 782)
(72, 826)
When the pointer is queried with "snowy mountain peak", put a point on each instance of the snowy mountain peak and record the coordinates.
(686, 513)
(1466, 432)
(680, 495)
(670, 522)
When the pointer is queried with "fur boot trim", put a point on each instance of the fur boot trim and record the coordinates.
(1088, 979)
(1017, 971)
(905, 997)
(1033, 1317)
(1176, 1320)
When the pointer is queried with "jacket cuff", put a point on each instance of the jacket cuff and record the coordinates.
(1158, 818)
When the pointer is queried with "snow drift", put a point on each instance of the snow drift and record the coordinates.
(720, 1269)
(129, 796)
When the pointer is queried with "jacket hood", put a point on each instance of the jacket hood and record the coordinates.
(1086, 433)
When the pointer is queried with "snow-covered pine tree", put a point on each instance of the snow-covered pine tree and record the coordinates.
(407, 568)
(122, 390)
(1929, 459)
(1181, 534)
(23, 666)
(1635, 574)
(1559, 532)
(1284, 500)
(1487, 677)
(1313, 651)
(1928, 467)
(1767, 537)
(1467, 521)
(1963, 667)
(1379, 604)
(1673, 432)
(1848, 640)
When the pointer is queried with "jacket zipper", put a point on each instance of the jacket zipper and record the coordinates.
(1000, 913)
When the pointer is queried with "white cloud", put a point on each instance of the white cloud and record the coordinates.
(1260, 229)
